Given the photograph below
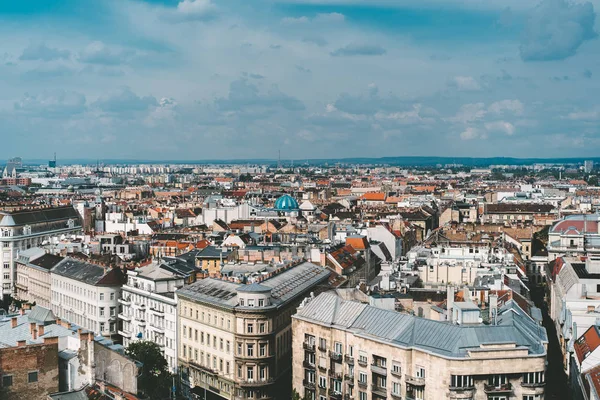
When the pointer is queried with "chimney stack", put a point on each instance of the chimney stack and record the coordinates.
(493, 308)
(449, 300)
(13, 322)
(21, 343)
(40, 330)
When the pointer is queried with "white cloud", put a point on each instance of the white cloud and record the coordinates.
(51, 104)
(326, 18)
(44, 53)
(465, 84)
(589, 115)
(501, 127)
(513, 106)
(191, 10)
(99, 53)
(556, 29)
(469, 134)
(469, 113)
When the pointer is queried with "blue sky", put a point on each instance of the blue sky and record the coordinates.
(205, 79)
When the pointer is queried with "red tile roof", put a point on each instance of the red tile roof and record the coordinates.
(374, 196)
(587, 343)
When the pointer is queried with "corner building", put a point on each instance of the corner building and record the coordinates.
(235, 339)
(349, 350)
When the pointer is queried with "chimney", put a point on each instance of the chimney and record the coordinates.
(31, 328)
(493, 308)
(13, 322)
(51, 340)
(40, 330)
(21, 343)
(22, 311)
(449, 300)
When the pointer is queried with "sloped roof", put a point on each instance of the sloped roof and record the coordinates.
(29, 217)
(408, 331)
(587, 343)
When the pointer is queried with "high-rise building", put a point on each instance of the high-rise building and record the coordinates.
(588, 166)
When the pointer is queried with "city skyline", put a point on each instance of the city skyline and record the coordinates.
(314, 79)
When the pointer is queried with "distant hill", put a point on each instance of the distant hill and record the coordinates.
(408, 161)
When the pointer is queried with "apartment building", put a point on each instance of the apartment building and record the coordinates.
(86, 294)
(574, 235)
(235, 333)
(350, 350)
(148, 309)
(33, 276)
(23, 229)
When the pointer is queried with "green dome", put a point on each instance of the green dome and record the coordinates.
(286, 203)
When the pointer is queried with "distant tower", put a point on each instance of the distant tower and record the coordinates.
(52, 163)
(279, 160)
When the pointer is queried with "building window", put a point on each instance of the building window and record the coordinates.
(32, 377)
(102, 311)
(101, 296)
(396, 388)
(250, 302)
(261, 303)
(112, 311)
(7, 380)
(396, 369)
(242, 302)
(532, 397)
(250, 328)
(263, 350)
(362, 377)
(362, 396)
(101, 327)
(250, 350)
(461, 381)
(420, 372)
(338, 347)
(322, 344)
(261, 327)
(497, 380)
(112, 296)
(250, 375)
(322, 382)
(263, 373)
(533, 377)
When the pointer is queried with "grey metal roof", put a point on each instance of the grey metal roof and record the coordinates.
(284, 286)
(254, 288)
(408, 331)
(41, 315)
(29, 217)
(79, 270)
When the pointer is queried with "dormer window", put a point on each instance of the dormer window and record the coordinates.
(71, 224)
(27, 230)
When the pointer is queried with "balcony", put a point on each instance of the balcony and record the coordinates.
(157, 328)
(126, 301)
(335, 375)
(414, 380)
(349, 359)
(335, 395)
(396, 396)
(308, 365)
(533, 385)
(322, 347)
(157, 311)
(125, 317)
(498, 389)
(337, 357)
(362, 384)
(257, 382)
(378, 369)
(349, 378)
(362, 362)
(397, 373)
(141, 322)
(308, 346)
(322, 367)
(123, 333)
(309, 385)
(379, 390)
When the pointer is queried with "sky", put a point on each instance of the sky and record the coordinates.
(238, 79)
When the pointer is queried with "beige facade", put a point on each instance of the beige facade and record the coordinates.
(238, 345)
(339, 361)
(33, 279)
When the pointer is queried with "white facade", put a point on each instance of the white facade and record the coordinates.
(148, 309)
(91, 306)
(23, 230)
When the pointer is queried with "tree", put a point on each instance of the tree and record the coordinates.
(155, 379)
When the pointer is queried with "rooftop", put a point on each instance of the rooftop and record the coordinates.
(407, 331)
